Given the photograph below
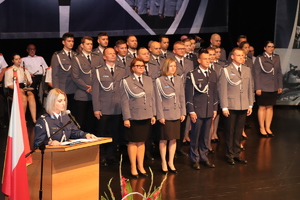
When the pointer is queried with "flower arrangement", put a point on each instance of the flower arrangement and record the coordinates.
(126, 190)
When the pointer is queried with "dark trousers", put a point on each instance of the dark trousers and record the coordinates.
(85, 116)
(36, 81)
(71, 104)
(109, 126)
(234, 125)
(199, 136)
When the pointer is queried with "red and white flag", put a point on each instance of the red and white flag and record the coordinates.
(15, 180)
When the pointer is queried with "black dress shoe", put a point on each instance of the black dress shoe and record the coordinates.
(264, 135)
(208, 164)
(196, 166)
(230, 161)
(240, 160)
(149, 156)
(247, 126)
(182, 153)
(2, 124)
(142, 174)
(103, 163)
(136, 176)
(245, 137)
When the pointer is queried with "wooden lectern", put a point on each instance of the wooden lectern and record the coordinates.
(70, 172)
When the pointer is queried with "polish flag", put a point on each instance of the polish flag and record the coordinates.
(15, 180)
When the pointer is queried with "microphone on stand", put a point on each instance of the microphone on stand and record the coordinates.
(72, 118)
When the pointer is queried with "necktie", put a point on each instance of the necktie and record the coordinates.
(112, 71)
(181, 63)
(191, 55)
(165, 55)
(212, 66)
(134, 55)
(157, 60)
(140, 81)
(123, 59)
(60, 121)
(172, 81)
(88, 57)
(69, 55)
(187, 56)
(239, 70)
(146, 70)
(206, 74)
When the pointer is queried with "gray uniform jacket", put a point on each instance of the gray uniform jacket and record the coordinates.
(235, 90)
(154, 69)
(169, 8)
(98, 52)
(218, 67)
(127, 61)
(183, 70)
(142, 6)
(170, 100)
(61, 72)
(223, 55)
(137, 101)
(201, 93)
(106, 90)
(267, 73)
(82, 74)
(153, 5)
(169, 54)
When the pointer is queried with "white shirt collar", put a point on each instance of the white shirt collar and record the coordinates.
(236, 66)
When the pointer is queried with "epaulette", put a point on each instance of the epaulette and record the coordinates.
(225, 66)
(121, 66)
(125, 77)
(9, 67)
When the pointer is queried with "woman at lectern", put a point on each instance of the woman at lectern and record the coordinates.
(54, 119)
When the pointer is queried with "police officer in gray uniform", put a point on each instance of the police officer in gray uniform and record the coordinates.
(152, 69)
(236, 100)
(107, 103)
(61, 69)
(83, 68)
(103, 43)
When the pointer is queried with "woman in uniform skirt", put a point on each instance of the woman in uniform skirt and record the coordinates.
(138, 110)
(268, 84)
(170, 109)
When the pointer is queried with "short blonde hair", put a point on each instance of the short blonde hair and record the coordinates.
(51, 99)
(166, 65)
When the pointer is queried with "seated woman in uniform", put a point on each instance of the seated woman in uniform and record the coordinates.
(24, 79)
(55, 118)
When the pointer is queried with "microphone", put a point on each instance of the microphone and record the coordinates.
(72, 118)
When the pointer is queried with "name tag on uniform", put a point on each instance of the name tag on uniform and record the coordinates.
(233, 74)
(104, 76)
(200, 79)
(166, 86)
(54, 128)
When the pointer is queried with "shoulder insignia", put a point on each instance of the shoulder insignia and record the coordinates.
(125, 77)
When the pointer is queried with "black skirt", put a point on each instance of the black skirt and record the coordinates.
(266, 98)
(170, 130)
(139, 130)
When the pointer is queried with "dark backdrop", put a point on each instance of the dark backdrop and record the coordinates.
(255, 19)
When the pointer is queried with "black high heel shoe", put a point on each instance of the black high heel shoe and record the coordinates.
(164, 172)
(270, 134)
(264, 135)
(142, 174)
(135, 176)
(172, 171)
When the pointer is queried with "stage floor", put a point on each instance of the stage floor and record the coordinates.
(272, 171)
